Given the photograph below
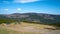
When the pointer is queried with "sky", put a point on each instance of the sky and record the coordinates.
(27, 6)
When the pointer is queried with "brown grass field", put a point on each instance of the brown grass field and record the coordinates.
(24, 28)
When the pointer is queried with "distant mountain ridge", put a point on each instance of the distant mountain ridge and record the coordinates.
(37, 17)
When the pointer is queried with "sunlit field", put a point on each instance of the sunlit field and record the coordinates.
(9, 31)
(23, 28)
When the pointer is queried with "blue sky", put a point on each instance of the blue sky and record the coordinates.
(24, 6)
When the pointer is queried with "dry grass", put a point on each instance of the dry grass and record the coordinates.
(26, 27)
(22, 25)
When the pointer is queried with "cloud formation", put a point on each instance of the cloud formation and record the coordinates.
(24, 1)
(6, 9)
(18, 9)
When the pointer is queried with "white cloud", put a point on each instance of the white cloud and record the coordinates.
(6, 9)
(24, 1)
(18, 9)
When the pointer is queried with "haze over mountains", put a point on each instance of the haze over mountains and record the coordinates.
(32, 17)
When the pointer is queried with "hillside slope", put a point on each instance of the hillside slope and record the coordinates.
(32, 17)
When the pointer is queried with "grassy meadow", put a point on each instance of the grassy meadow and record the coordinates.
(23, 28)
(8, 31)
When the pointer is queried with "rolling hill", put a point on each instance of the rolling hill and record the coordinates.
(32, 17)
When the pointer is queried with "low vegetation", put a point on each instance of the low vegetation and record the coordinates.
(57, 24)
(9, 31)
(23, 28)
